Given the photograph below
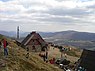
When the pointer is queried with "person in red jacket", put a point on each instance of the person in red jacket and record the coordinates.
(5, 47)
(52, 61)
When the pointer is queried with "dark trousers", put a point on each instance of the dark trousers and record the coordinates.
(5, 51)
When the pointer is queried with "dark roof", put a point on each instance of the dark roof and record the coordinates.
(87, 60)
(34, 36)
(27, 37)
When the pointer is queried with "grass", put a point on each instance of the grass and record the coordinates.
(76, 52)
(17, 61)
(72, 53)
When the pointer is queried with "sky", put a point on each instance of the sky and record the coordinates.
(47, 15)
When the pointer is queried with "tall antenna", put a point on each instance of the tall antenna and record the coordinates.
(18, 32)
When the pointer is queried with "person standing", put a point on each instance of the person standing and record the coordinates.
(5, 44)
(27, 55)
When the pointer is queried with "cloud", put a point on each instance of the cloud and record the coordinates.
(70, 12)
(67, 14)
(92, 7)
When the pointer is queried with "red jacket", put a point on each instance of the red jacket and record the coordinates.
(4, 43)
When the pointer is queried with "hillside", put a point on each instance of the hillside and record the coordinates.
(17, 60)
(1, 36)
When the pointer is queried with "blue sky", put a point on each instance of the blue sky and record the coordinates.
(47, 15)
(4, 0)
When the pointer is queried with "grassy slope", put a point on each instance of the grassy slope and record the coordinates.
(72, 55)
(16, 61)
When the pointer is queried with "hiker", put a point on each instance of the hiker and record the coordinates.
(40, 54)
(5, 44)
(27, 49)
(46, 55)
(52, 61)
(27, 55)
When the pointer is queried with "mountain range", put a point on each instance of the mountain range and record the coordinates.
(68, 35)
(73, 38)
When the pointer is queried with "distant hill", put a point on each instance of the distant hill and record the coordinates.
(1, 36)
(10, 34)
(71, 35)
(72, 38)
(13, 33)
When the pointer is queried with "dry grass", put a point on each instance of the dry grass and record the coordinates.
(72, 55)
(17, 61)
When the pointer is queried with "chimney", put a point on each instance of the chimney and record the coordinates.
(33, 32)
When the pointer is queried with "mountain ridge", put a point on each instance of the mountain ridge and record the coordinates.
(70, 35)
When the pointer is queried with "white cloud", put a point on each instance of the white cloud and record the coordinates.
(43, 14)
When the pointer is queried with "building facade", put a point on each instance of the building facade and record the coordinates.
(33, 42)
